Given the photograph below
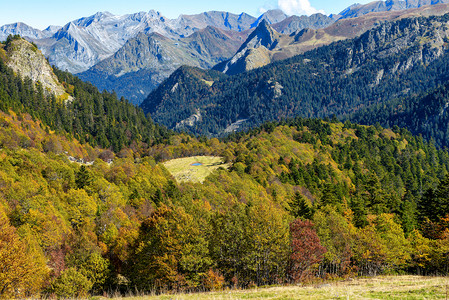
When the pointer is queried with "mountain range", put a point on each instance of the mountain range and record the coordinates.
(357, 10)
(133, 54)
(395, 59)
(83, 43)
(140, 68)
(266, 44)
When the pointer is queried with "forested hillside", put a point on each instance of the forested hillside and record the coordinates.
(424, 114)
(363, 194)
(89, 116)
(395, 59)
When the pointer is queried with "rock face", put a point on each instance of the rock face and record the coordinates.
(254, 52)
(218, 19)
(262, 36)
(296, 23)
(26, 60)
(146, 60)
(425, 44)
(190, 121)
(271, 17)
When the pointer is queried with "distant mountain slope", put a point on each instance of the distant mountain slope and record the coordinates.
(296, 23)
(24, 30)
(218, 19)
(146, 60)
(396, 58)
(357, 10)
(271, 16)
(82, 43)
(176, 93)
(254, 52)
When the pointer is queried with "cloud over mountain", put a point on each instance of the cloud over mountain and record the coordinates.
(298, 7)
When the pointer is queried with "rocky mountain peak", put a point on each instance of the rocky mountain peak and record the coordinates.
(25, 59)
(52, 29)
(272, 16)
(96, 18)
(294, 23)
(254, 52)
(21, 29)
(154, 14)
(263, 35)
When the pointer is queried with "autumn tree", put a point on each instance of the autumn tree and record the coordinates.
(170, 252)
(20, 274)
(71, 283)
(307, 251)
(334, 231)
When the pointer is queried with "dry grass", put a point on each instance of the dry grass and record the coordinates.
(184, 170)
(388, 287)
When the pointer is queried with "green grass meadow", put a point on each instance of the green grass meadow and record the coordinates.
(184, 169)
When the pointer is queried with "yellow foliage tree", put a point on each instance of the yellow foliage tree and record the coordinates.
(20, 274)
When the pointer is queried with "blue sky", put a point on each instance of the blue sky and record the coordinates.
(40, 14)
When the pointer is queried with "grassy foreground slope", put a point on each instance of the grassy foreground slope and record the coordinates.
(384, 287)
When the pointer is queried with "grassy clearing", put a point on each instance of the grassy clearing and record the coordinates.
(208, 82)
(388, 287)
(183, 169)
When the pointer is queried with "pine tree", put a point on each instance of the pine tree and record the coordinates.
(83, 177)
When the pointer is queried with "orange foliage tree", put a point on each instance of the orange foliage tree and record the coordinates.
(307, 251)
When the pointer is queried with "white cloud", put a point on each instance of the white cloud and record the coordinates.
(268, 5)
(298, 7)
